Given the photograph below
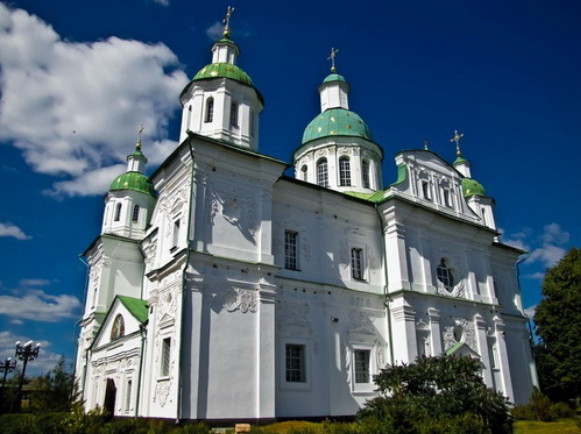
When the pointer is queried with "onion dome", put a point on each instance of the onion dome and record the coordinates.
(133, 181)
(223, 70)
(334, 77)
(336, 122)
(471, 187)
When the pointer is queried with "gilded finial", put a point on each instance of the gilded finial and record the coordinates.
(227, 21)
(332, 59)
(138, 145)
(426, 143)
(457, 137)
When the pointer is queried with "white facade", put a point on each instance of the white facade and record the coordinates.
(248, 294)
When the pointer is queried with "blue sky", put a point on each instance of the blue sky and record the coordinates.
(78, 78)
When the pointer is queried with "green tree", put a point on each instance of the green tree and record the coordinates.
(558, 325)
(55, 390)
(443, 394)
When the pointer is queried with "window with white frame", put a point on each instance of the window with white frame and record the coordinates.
(322, 173)
(447, 197)
(128, 390)
(135, 217)
(361, 363)
(444, 275)
(295, 363)
(365, 174)
(234, 114)
(175, 233)
(426, 190)
(165, 357)
(209, 110)
(357, 263)
(117, 212)
(291, 239)
(344, 172)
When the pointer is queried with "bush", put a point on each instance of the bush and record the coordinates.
(436, 394)
(541, 408)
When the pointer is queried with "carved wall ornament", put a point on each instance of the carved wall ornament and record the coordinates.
(162, 391)
(461, 331)
(240, 299)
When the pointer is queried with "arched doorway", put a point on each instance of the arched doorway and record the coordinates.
(110, 395)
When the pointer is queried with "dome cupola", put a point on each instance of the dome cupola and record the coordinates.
(337, 150)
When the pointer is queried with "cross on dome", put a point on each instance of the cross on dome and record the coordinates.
(138, 145)
(227, 21)
(332, 59)
(457, 137)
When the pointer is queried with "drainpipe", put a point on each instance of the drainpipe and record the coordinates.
(182, 322)
(143, 333)
(387, 298)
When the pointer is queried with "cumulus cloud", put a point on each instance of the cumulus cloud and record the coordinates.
(530, 311)
(73, 109)
(162, 2)
(516, 240)
(535, 276)
(34, 282)
(37, 305)
(550, 252)
(10, 230)
(215, 31)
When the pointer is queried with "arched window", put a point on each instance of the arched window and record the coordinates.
(365, 174)
(209, 110)
(304, 172)
(117, 212)
(322, 173)
(344, 172)
(135, 213)
(118, 329)
(444, 275)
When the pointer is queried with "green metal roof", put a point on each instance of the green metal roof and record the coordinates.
(460, 160)
(223, 70)
(336, 122)
(471, 187)
(134, 181)
(334, 77)
(137, 307)
(454, 348)
(402, 173)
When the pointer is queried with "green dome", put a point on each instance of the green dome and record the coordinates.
(334, 77)
(134, 181)
(223, 70)
(471, 187)
(460, 160)
(336, 122)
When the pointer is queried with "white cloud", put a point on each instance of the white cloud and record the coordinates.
(530, 311)
(535, 276)
(73, 109)
(46, 358)
(162, 2)
(215, 31)
(549, 255)
(8, 229)
(34, 282)
(37, 305)
(553, 233)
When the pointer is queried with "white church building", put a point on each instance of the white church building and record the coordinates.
(222, 289)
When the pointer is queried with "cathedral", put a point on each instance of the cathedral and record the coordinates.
(222, 289)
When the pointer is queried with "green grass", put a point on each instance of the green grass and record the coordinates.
(562, 426)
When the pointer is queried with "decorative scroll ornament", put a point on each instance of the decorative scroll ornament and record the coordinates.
(240, 299)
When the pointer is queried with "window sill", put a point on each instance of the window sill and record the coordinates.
(163, 379)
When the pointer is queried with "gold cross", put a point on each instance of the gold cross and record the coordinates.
(138, 146)
(227, 21)
(457, 137)
(332, 59)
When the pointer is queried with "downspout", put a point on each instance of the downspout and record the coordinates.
(84, 379)
(143, 333)
(182, 322)
(387, 299)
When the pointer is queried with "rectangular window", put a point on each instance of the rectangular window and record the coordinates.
(426, 190)
(447, 198)
(135, 213)
(365, 173)
(128, 395)
(165, 355)
(357, 263)
(234, 114)
(361, 363)
(117, 212)
(295, 364)
(176, 233)
(344, 172)
(291, 250)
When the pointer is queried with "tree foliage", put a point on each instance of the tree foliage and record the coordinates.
(436, 395)
(54, 391)
(558, 325)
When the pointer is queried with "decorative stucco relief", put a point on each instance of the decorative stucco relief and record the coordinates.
(162, 391)
(461, 331)
(240, 299)
(237, 205)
